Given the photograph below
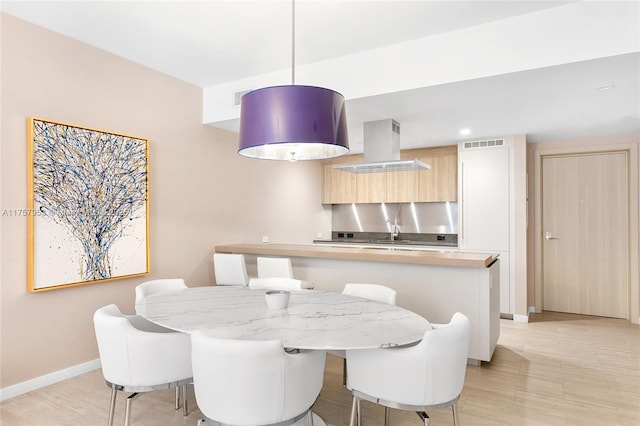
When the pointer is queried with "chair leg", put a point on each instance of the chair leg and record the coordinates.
(184, 400)
(424, 416)
(177, 397)
(344, 372)
(127, 410)
(359, 412)
(386, 416)
(454, 407)
(112, 407)
(310, 414)
(354, 405)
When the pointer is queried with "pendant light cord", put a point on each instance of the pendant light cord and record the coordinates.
(293, 42)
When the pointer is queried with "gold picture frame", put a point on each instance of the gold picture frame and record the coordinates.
(87, 205)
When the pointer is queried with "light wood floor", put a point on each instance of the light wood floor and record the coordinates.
(558, 369)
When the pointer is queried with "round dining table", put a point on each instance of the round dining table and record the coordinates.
(315, 320)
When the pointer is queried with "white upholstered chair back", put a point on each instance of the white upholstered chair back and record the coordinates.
(274, 283)
(230, 269)
(139, 356)
(278, 267)
(159, 286)
(430, 373)
(446, 347)
(274, 267)
(376, 292)
(241, 382)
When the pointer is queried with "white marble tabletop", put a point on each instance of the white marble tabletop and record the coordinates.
(312, 320)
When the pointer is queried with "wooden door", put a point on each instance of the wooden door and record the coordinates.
(585, 234)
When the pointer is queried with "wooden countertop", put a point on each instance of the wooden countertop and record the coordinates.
(380, 254)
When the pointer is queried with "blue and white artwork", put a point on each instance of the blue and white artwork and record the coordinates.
(88, 218)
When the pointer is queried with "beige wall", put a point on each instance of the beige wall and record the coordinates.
(630, 143)
(201, 192)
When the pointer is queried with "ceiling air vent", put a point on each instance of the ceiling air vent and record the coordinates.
(237, 97)
(491, 143)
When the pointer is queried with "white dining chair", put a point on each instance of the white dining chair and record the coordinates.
(254, 382)
(148, 288)
(274, 267)
(377, 292)
(415, 378)
(278, 267)
(275, 284)
(165, 285)
(230, 269)
(139, 356)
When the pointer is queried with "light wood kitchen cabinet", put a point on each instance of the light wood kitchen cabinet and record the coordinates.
(437, 184)
(403, 187)
(441, 182)
(371, 187)
(338, 187)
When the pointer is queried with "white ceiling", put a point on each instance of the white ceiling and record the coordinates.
(211, 42)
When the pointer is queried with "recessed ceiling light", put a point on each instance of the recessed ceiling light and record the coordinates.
(606, 87)
(465, 131)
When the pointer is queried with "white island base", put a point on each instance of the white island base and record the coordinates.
(434, 291)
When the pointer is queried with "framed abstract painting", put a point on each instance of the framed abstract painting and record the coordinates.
(88, 205)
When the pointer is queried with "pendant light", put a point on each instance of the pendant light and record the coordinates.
(293, 122)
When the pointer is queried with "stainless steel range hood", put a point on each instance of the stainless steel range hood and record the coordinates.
(382, 150)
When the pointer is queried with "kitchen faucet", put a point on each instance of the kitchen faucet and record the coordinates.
(395, 230)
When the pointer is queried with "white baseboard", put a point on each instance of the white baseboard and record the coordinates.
(48, 379)
(520, 318)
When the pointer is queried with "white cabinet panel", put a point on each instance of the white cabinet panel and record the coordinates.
(505, 280)
(505, 302)
(484, 188)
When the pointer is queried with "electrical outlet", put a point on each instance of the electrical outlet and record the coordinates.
(319, 235)
(265, 239)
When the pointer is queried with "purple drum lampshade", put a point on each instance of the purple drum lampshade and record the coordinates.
(293, 123)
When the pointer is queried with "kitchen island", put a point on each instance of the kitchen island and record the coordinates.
(432, 283)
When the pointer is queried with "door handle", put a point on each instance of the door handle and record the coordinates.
(547, 236)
